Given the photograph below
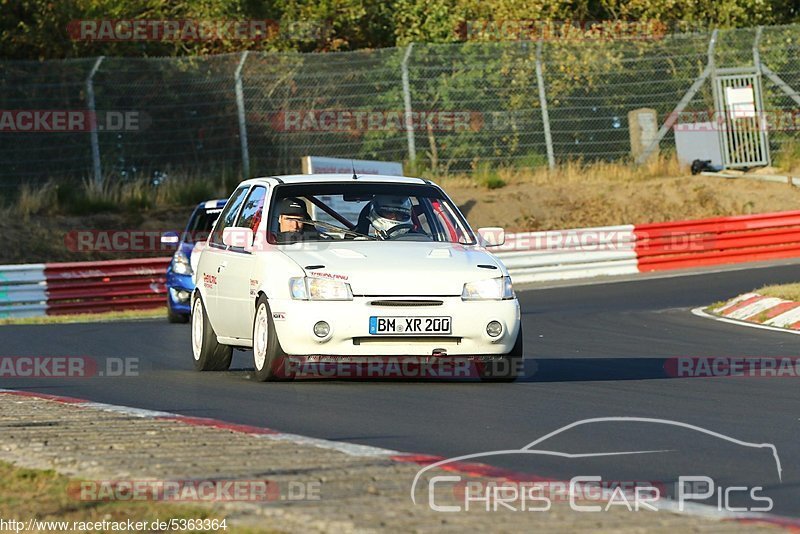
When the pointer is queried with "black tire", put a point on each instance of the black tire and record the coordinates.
(269, 360)
(506, 368)
(176, 318)
(209, 355)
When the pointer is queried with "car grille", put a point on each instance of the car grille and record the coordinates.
(435, 341)
(408, 303)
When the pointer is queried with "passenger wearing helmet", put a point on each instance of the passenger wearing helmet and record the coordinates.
(390, 216)
(292, 213)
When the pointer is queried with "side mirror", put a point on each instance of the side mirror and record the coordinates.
(492, 236)
(170, 239)
(238, 237)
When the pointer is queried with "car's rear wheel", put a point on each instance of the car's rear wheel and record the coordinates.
(209, 354)
(506, 368)
(269, 360)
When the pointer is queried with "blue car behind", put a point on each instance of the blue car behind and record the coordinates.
(179, 272)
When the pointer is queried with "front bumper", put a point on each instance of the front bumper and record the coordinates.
(178, 285)
(349, 335)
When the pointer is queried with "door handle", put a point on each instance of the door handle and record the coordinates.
(222, 266)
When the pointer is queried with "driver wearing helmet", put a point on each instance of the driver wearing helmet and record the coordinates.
(390, 216)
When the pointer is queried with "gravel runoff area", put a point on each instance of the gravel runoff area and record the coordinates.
(350, 490)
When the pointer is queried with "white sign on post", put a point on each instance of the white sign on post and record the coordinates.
(741, 102)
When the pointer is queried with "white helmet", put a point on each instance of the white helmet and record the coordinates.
(387, 211)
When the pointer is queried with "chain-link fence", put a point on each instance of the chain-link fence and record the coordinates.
(447, 108)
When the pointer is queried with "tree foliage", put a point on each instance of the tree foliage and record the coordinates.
(37, 29)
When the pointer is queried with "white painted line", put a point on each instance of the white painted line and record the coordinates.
(136, 412)
(701, 313)
(351, 449)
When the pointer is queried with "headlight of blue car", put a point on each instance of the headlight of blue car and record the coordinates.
(180, 263)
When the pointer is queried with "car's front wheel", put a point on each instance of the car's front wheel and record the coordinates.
(175, 317)
(269, 360)
(506, 368)
(209, 354)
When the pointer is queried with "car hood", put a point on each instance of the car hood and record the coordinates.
(399, 268)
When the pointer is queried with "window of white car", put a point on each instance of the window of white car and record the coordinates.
(370, 211)
(227, 216)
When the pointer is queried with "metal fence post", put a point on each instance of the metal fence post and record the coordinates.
(756, 51)
(409, 123)
(548, 138)
(241, 116)
(762, 115)
(97, 168)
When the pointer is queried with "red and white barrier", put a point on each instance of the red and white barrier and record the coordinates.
(628, 249)
(83, 287)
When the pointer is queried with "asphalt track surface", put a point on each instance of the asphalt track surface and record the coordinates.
(591, 352)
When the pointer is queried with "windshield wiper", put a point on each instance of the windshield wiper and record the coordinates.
(339, 229)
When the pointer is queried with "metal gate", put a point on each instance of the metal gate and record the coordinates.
(740, 117)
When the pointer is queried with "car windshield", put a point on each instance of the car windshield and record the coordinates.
(365, 211)
(200, 225)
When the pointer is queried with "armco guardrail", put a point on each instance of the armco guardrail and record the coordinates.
(566, 254)
(628, 249)
(83, 287)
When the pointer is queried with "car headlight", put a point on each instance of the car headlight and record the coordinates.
(305, 288)
(180, 263)
(490, 289)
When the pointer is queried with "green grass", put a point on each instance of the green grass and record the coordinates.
(488, 177)
(126, 315)
(782, 291)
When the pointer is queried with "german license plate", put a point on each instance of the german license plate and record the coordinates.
(409, 325)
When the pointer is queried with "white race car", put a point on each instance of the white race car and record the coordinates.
(360, 267)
